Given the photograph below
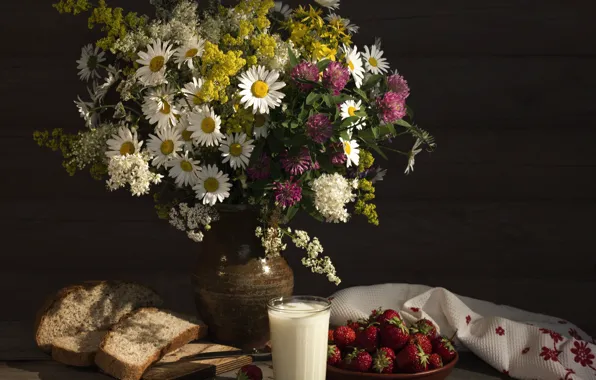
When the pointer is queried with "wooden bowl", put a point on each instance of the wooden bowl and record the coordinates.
(334, 373)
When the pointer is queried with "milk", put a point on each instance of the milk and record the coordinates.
(299, 332)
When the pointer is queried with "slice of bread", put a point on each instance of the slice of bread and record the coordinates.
(78, 350)
(92, 306)
(142, 338)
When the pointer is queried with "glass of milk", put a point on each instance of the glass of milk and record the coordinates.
(299, 330)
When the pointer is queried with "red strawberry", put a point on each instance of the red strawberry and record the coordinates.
(333, 355)
(330, 337)
(387, 315)
(358, 360)
(423, 341)
(383, 361)
(412, 359)
(435, 361)
(444, 347)
(388, 351)
(368, 338)
(426, 327)
(353, 325)
(343, 336)
(250, 372)
(394, 334)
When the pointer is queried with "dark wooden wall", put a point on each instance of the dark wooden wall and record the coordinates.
(504, 210)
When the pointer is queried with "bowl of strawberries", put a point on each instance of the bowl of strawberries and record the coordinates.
(383, 346)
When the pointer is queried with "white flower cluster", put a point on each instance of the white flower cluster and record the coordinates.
(271, 239)
(193, 219)
(133, 170)
(332, 193)
(319, 265)
(91, 145)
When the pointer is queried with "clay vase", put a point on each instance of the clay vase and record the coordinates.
(233, 281)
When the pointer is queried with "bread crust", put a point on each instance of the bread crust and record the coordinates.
(111, 365)
(63, 352)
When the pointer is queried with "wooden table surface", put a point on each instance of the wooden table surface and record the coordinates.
(21, 360)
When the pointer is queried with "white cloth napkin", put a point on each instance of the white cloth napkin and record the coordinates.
(522, 344)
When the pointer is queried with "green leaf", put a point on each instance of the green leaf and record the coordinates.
(361, 93)
(325, 163)
(375, 132)
(293, 59)
(387, 129)
(376, 148)
(312, 97)
(349, 121)
(327, 99)
(322, 65)
(409, 112)
(291, 212)
(403, 123)
(275, 145)
(371, 82)
(298, 140)
(344, 135)
(361, 113)
(257, 151)
(309, 207)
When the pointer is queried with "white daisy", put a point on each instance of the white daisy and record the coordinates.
(154, 63)
(90, 60)
(412, 156)
(159, 107)
(164, 146)
(261, 126)
(185, 134)
(123, 143)
(236, 149)
(333, 18)
(213, 185)
(260, 89)
(184, 170)
(375, 63)
(87, 113)
(283, 9)
(193, 91)
(205, 127)
(349, 108)
(331, 4)
(351, 151)
(354, 62)
(191, 49)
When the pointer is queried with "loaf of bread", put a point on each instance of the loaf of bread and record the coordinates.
(72, 323)
(142, 338)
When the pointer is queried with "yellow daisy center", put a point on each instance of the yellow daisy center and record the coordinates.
(373, 61)
(351, 65)
(167, 147)
(347, 148)
(259, 120)
(211, 184)
(351, 111)
(186, 135)
(236, 149)
(197, 98)
(186, 166)
(165, 108)
(260, 89)
(127, 148)
(208, 125)
(157, 63)
(191, 53)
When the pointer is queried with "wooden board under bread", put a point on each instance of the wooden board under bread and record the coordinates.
(174, 367)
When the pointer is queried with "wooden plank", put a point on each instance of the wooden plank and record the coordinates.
(47, 370)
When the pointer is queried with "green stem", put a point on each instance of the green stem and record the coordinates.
(114, 106)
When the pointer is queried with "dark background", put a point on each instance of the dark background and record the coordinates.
(504, 210)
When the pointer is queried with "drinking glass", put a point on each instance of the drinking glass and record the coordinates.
(299, 331)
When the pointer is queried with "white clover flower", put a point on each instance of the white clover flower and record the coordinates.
(133, 170)
(332, 193)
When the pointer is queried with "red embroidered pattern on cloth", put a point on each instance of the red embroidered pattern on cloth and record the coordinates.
(415, 309)
(500, 331)
(468, 319)
(583, 354)
(525, 350)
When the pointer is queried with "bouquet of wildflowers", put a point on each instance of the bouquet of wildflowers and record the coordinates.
(255, 104)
